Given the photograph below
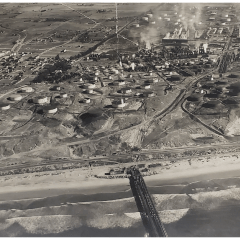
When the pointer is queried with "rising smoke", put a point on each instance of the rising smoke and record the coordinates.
(182, 15)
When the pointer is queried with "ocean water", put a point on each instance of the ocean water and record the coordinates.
(208, 208)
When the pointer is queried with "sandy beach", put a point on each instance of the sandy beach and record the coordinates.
(77, 181)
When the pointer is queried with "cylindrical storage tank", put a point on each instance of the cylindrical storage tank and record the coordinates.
(130, 76)
(136, 25)
(212, 95)
(126, 90)
(80, 80)
(110, 77)
(230, 101)
(226, 15)
(220, 83)
(119, 82)
(58, 88)
(147, 86)
(4, 106)
(95, 79)
(150, 15)
(96, 73)
(15, 97)
(228, 19)
(145, 18)
(233, 76)
(119, 104)
(27, 89)
(89, 90)
(89, 86)
(40, 99)
(86, 100)
(154, 80)
(210, 104)
(63, 95)
(194, 97)
(174, 78)
(148, 94)
(50, 109)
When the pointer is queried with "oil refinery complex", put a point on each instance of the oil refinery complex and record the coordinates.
(93, 94)
(116, 86)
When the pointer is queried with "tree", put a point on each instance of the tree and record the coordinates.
(57, 57)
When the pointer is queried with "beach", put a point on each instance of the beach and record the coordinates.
(197, 199)
(78, 180)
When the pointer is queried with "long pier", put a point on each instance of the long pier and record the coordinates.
(149, 214)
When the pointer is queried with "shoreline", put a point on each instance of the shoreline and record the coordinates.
(74, 182)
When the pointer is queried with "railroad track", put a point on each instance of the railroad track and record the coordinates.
(51, 162)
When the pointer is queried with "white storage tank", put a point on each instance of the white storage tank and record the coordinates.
(154, 80)
(148, 94)
(57, 88)
(86, 100)
(89, 85)
(50, 109)
(146, 86)
(145, 18)
(40, 99)
(89, 91)
(149, 15)
(4, 106)
(126, 90)
(136, 25)
(63, 95)
(27, 89)
(119, 82)
(15, 97)
(119, 104)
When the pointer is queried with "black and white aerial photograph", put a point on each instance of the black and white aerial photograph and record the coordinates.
(119, 119)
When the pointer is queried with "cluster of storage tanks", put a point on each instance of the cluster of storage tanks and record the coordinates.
(41, 100)
(15, 98)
